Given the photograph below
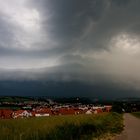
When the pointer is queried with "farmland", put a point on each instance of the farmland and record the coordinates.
(78, 127)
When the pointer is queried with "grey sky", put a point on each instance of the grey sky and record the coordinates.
(89, 41)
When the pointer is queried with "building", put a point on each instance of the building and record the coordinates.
(6, 113)
(21, 114)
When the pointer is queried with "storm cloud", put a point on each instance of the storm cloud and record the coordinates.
(92, 43)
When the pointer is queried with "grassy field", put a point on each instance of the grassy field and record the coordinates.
(80, 127)
(137, 114)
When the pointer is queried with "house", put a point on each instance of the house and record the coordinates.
(108, 108)
(6, 113)
(79, 111)
(68, 111)
(43, 112)
(88, 112)
(99, 110)
(21, 114)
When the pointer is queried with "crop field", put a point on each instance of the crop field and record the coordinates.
(78, 127)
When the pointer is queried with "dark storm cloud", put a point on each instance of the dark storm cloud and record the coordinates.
(68, 20)
(88, 41)
(89, 25)
(64, 89)
(6, 32)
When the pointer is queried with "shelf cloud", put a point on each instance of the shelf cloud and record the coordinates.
(93, 43)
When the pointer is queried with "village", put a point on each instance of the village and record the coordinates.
(45, 109)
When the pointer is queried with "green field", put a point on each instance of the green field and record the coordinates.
(137, 114)
(80, 127)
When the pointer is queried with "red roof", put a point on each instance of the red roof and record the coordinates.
(33, 113)
(99, 110)
(6, 113)
(108, 108)
(44, 111)
(69, 111)
(19, 112)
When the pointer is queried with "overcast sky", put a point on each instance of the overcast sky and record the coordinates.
(80, 45)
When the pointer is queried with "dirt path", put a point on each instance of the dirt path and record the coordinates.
(131, 130)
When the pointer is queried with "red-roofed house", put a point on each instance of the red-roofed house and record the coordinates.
(21, 114)
(6, 114)
(68, 111)
(42, 112)
(108, 108)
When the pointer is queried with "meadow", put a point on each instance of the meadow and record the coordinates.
(137, 114)
(78, 127)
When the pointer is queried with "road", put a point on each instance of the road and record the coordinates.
(131, 130)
